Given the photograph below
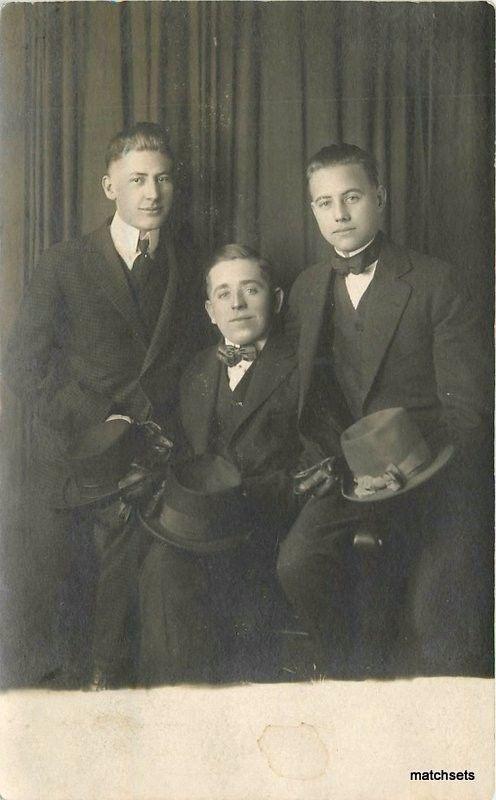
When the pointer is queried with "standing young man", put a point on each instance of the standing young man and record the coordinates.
(99, 334)
(388, 327)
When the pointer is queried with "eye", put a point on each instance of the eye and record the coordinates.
(223, 295)
(251, 290)
(352, 198)
(164, 179)
(136, 179)
(324, 204)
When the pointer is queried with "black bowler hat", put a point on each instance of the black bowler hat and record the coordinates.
(202, 507)
(388, 456)
(99, 459)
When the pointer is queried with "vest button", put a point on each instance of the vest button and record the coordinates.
(359, 327)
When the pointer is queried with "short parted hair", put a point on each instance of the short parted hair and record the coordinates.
(344, 154)
(232, 252)
(140, 136)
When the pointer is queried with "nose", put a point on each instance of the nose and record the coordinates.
(152, 191)
(238, 300)
(341, 212)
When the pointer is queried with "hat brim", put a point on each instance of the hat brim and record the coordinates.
(72, 497)
(193, 545)
(438, 463)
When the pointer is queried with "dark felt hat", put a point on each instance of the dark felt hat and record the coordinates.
(99, 459)
(388, 456)
(202, 507)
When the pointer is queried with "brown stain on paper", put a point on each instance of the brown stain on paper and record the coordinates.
(294, 751)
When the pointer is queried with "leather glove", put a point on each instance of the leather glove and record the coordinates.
(319, 479)
(156, 446)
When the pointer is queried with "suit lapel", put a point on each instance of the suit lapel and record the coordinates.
(313, 318)
(276, 360)
(164, 330)
(106, 266)
(199, 401)
(388, 297)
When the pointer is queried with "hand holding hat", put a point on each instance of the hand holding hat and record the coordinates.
(317, 480)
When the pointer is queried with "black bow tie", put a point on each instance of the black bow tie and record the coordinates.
(231, 355)
(359, 262)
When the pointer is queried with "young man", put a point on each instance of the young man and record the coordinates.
(389, 327)
(102, 326)
(238, 400)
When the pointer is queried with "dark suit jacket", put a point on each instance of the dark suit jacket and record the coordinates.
(269, 441)
(422, 347)
(80, 351)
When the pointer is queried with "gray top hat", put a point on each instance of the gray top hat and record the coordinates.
(388, 456)
(202, 507)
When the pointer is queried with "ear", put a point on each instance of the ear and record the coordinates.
(381, 197)
(107, 187)
(210, 311)
(278, 298)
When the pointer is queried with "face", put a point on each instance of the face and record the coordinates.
(347, 205)
(240, 301)
(140, 183)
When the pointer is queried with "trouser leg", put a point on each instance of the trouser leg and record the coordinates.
(121, 548)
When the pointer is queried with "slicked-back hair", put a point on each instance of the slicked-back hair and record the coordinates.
(140, 136)
(344, 153)
(233, 252)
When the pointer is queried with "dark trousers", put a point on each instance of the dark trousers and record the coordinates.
(334, 588)
(207, 618)
(121, 547)
(425, 597)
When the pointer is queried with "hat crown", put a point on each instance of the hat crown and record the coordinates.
(386, 437)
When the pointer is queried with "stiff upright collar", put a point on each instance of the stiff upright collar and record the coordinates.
(126, 240)
(359, 260)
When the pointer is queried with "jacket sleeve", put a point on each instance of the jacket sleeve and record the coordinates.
(37, 333)
(461, 362)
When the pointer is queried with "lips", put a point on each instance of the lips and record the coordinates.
(240, 319)
(344, 230)
(151, 210)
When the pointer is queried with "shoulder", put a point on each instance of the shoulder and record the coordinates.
(74, 247)
(426, 271)
(308, 276)
(201, 361)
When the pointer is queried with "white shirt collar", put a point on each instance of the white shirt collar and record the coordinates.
(125, 238)
(259, 345)
(354, 252)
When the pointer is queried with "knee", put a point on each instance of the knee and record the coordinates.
(292, 567)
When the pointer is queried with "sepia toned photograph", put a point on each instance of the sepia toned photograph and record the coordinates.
(247, 293)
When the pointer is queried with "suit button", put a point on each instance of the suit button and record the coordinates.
(359, 327)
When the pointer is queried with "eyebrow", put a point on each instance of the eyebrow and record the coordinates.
(346, 191)
(241, 283)
(144, 174)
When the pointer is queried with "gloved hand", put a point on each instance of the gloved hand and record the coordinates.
(157, 448)
(319, 479)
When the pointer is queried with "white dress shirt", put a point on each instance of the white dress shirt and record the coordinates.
(234, 374)
(126, 239)
(356, 285)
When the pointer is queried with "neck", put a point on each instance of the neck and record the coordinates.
(352, 253)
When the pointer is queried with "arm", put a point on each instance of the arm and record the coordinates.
(462, 364)
(36, 335)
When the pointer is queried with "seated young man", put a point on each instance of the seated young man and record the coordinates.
(238, 400)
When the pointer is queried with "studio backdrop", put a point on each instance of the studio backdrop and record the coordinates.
(248, 91)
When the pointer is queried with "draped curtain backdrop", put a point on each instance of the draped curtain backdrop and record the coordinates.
(248, 91)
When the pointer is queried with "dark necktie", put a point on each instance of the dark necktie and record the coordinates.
(141, 262)
(231, 355)
(358, 263)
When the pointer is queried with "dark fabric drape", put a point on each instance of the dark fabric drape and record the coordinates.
(248, 91)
